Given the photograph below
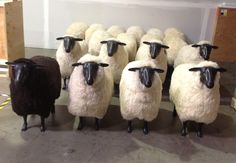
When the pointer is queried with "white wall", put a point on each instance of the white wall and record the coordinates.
(44, 20)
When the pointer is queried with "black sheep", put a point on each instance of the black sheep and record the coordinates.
(35, 84)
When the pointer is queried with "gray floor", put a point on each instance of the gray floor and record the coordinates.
(60, 143)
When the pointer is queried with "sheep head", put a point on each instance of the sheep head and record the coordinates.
(207, 75)
(112, 46)
(146, 74)
(155, 48)
(69, 42)
(90, 70)
(205, 50)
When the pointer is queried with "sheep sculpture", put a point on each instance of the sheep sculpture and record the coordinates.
(140, 92)
(194, 90)
(68, 52)
(90, 89)
(137, 31)
(153, 50)
(194, 53)
(92, 28)
(35, 84)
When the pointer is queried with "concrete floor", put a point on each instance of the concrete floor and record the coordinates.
(60, 143)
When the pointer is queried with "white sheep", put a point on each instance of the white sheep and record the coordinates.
(153, 50)
(173, 32)
(114, 53)
(68, 52)
(148, 37)
(94, 44)
(140, 92)
(157, 32)
(137, 31)
(115, 30)
(195, 92)
(194, 53)
(90, 89)
(77, 29)
(131, 44)
(92, 28)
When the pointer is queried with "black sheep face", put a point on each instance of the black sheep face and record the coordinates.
(69, 42)
(207, 75)
(90, 70)
(112, 46)
(155, 48)
(205, 50)
(146, 74)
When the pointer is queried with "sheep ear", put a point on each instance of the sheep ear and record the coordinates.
(103, 64)
(147, 43)
(165, 47)
(133, 69)
(78, 39)
(195, 45)
(158, 70)
(60, 38)
(76, 64)
(195, 69)
(214, 47)
(121, 43)
(9, 63)
(103, 42)
(221, 69)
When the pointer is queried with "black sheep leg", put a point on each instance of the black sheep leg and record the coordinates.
(24, 127)
(81, 123)
(97, 124)
(174, 112)
(129, 127)
(43, 128)
(64, 83)
(199, 130)
(145, 127)
(184, 131)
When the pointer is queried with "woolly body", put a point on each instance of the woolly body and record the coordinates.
(38, 95)
(157, 32)
(148, 37)
(117, 62)
(137, 101)
(137, 31)
(115, 30)
(95, 41)
(173, 32)
(189, 54)
(131, 44)
(90, 101)
(77, 29)
(160, 61)
(92, 28)
(193, 100)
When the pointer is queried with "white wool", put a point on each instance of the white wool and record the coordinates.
(192, 99)
(148, 37)
(65, 60)
(94, 44)
(86, 100)
(92, 28)
(160, 61)
(137, 101)
(189, 54)
(117, 62)
(137, 31)
(77, 29)
(131, 44)
(115, 30)
(173, 32)
(175, 44)
(157, 32)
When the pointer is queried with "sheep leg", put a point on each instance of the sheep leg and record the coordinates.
(53, 109)
(24, 127)
(145, 127)
(81, 123)
(129, 127)
(174, 112)
(199, 130)
(184, 131)
(116, 89)
(42, 128)
(97, 123)
(64, 83)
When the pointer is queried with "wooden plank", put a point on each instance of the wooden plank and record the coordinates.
(14, 30)
(3, 53)
(225, 36)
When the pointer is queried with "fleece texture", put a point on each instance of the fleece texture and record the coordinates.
(137, 101)
(157, 32)
(189, 54)
(173, 32)
(131, 44)
(77, 29)
(148, 37)
(115, 30)
(92, 28)
(86, 100)
(117, 62)
(137, 31)
(193, 100)
(143, 53)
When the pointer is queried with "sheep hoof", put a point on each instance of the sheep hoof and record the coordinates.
(199, 134)
(145, 131)
(42, 129)
(184, 132)
(97, 127)
(130, 129)
(64, 88)
(24, 128)
(199, 131)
